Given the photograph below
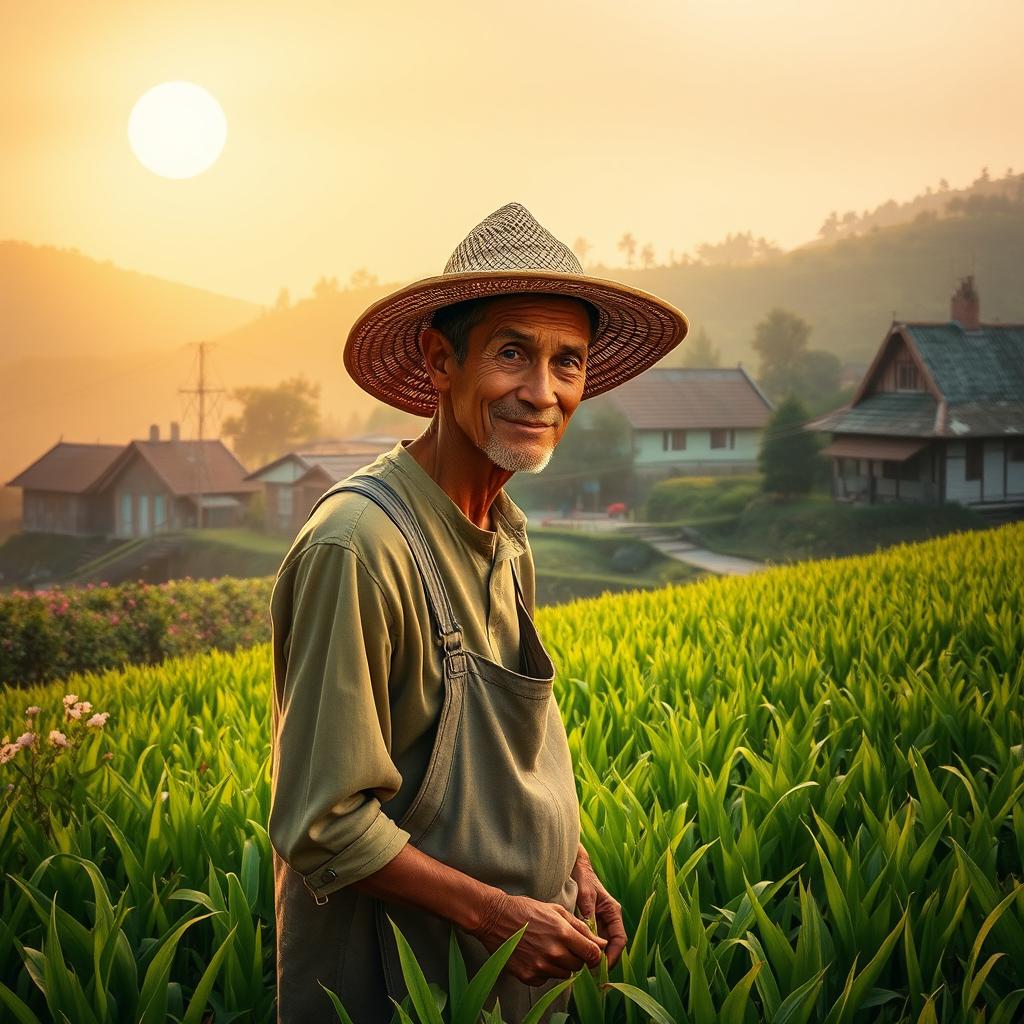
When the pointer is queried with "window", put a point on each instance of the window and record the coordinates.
(284, 503)
(906, 376)
(1015, 451)
(673, 440)
(144, 514)
(159, 512)
(975, 454)
(723, 438)
(126, 515)
(890, 470)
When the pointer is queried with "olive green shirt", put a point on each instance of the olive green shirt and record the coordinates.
(357, 674)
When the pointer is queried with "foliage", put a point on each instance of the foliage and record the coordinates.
(50, 780)
(699, 497)
(804, 787)
(789, 454)
(699, 353)
(818, 527)
(273, 419)
(51, 634)
(788, 366)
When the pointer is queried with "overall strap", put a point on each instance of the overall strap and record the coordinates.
(383, 494)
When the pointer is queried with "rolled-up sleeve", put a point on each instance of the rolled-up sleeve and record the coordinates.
(331, 764)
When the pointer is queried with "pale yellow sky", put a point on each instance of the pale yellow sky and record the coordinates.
(376, 135)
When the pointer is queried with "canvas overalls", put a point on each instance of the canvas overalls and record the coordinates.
(497, 801)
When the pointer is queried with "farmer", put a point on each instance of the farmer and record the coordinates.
(420, 766)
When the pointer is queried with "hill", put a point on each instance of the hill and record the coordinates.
(59, 302)
(849, 290)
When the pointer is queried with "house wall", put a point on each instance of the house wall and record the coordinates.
(80, 515)
(139, 498)
(1002, 471)
(286, 473)
(871, 480)
(648, 447)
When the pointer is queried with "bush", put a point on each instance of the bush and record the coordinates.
(51, 634)
(700, 497)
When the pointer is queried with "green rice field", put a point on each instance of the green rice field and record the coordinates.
(805, 788)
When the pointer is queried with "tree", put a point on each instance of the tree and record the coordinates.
(700, 353)
(273, 419)
(647, 256)
(325, 287)
(362, 278)
(283, 300)
(627, 244)
(789, 454)
(780, 339)
(819, 374)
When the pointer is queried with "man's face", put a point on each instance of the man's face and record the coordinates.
(522, 378)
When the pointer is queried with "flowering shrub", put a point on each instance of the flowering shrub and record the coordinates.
(48, 772)
(51, 634)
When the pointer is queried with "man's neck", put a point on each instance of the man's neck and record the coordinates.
(459, 468)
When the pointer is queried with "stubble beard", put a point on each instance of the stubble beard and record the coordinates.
(510, 457)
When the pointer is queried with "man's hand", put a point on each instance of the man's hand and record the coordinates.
(593, 900)
(554, 945)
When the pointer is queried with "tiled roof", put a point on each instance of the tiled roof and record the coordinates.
(986, 364)
(679, 399)
(337, 467)
(67, 467)
(907, 414)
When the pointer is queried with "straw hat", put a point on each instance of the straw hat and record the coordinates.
(508, 253)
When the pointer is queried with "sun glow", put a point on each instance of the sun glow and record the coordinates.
(177, 129)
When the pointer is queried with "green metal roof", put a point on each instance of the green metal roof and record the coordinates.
(905, 414)
(973, 366)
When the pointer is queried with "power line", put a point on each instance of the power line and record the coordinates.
(201, 391)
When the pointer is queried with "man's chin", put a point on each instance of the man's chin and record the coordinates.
(516, 460)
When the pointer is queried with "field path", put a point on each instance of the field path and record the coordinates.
(702, 558)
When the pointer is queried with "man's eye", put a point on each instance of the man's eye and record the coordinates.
(506, 350)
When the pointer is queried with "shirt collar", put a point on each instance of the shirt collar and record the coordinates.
(508, 540)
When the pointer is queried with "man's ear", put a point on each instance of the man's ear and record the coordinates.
(438, 357)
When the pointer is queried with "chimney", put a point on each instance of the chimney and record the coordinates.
(175, 432)
(154, 432)
(965, 306)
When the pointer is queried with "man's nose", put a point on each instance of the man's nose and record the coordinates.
(539, 387)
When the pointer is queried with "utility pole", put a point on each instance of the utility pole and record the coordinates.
(201, 391)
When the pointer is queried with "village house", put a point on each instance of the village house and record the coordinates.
(133, 490)
(938, 416)
(693, 421)
(292, 483)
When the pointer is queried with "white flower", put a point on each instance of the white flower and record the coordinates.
(72, 712)
(57, 738)
(84, 706)
(32, 711)
(7, 751)
(98, 720)
(71, 698)
(26, 739)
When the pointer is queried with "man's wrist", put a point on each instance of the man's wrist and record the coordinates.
(472, 914)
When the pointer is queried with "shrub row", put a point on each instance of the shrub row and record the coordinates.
(53, 633)
(699, 497)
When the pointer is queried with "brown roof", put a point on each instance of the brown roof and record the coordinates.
(889, 449)
(679, 399)
(67, 467)
(177, 463)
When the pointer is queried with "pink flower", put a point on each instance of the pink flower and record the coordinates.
(71, 698)
(73, 712)
(115, 620)
(98, 720)
(57, 738)
(83, 706)
(26, 739)
(7, 751)
(32, 711)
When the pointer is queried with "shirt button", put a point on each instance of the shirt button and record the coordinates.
(328, 876)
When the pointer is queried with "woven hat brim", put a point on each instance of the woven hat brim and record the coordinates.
(382, 354)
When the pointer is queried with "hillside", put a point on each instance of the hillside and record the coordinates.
(850, 290)
(59, 302)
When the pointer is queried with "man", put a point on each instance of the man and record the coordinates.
(421, 773)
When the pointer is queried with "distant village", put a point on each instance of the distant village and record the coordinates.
(938, 416)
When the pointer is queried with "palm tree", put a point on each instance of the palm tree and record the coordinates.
(627, 244)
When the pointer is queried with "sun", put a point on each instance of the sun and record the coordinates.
(177, 129)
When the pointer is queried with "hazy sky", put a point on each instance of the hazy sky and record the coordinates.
(377, 134)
